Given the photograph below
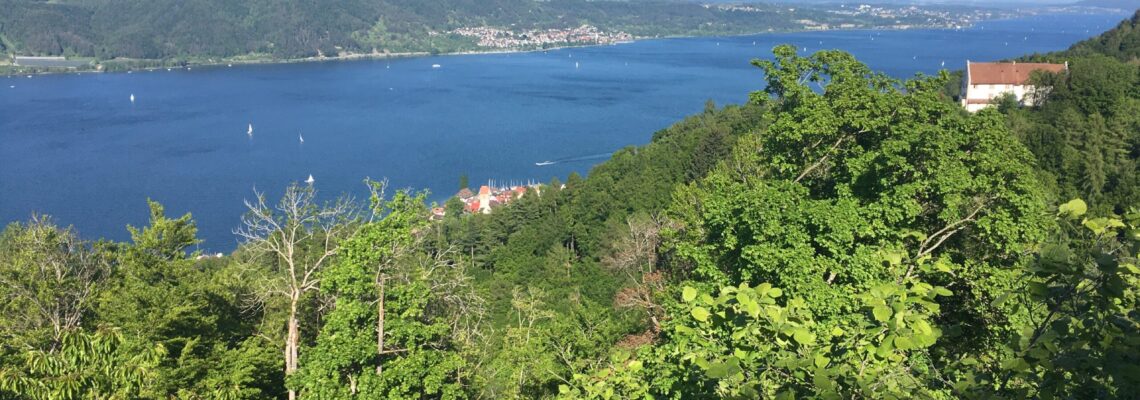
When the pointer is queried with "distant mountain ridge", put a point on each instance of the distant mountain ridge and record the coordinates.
(1121, 4)
(202, 30)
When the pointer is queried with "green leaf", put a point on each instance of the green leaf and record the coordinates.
(1131, 268)
(903, 343)
(688, 294)
(718, 370)
(1073, 209)
(886, 347)
(803, 336)
(700, 313)
(882, 313)
(753, 309)
(821, 361)
(634, 365)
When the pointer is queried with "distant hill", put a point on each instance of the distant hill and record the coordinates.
(202, 30)
(1121, 42)
(1121, 4)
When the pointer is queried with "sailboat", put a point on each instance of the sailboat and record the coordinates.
(250, 130)
(310, 180)
(575, 64)
(301, 137)
(132, 97)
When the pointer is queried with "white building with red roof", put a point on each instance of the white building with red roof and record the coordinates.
(984, 82)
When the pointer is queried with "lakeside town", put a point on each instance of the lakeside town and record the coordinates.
(490, 197)
(498, 38)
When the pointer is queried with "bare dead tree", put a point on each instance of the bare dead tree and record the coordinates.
(48, 277)
(299, 236)
(635, 255)
(456, 299)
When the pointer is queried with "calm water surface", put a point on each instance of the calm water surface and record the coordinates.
(76, 147)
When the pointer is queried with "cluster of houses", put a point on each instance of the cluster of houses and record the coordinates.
(488, 198)
(984, 83)
(496, 38)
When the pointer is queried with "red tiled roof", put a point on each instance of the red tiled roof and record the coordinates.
(1008, 73)
(484, 190)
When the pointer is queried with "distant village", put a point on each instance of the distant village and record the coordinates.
(490, 197)
(885, 16)
(497, 38)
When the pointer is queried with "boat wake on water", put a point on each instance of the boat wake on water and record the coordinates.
(590, 157)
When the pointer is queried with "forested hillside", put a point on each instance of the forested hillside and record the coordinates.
(1086, 134)
(200, 30)
(1122, 42)
(842, 235)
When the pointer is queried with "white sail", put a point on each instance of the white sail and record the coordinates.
(132, 97)
(301, 137)
(310, 180)
(250, 130)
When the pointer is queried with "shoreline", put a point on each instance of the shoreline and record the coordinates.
(400, 55)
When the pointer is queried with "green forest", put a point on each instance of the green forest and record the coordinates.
(842, 235)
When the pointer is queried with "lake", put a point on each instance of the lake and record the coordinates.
(76, 147)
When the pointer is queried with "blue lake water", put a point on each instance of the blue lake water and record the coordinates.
(75, 146)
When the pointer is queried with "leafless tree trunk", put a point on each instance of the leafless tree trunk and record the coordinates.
(380, 323)
(300, 236)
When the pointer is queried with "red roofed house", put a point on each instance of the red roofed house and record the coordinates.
(464, 194)
(986, 81)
